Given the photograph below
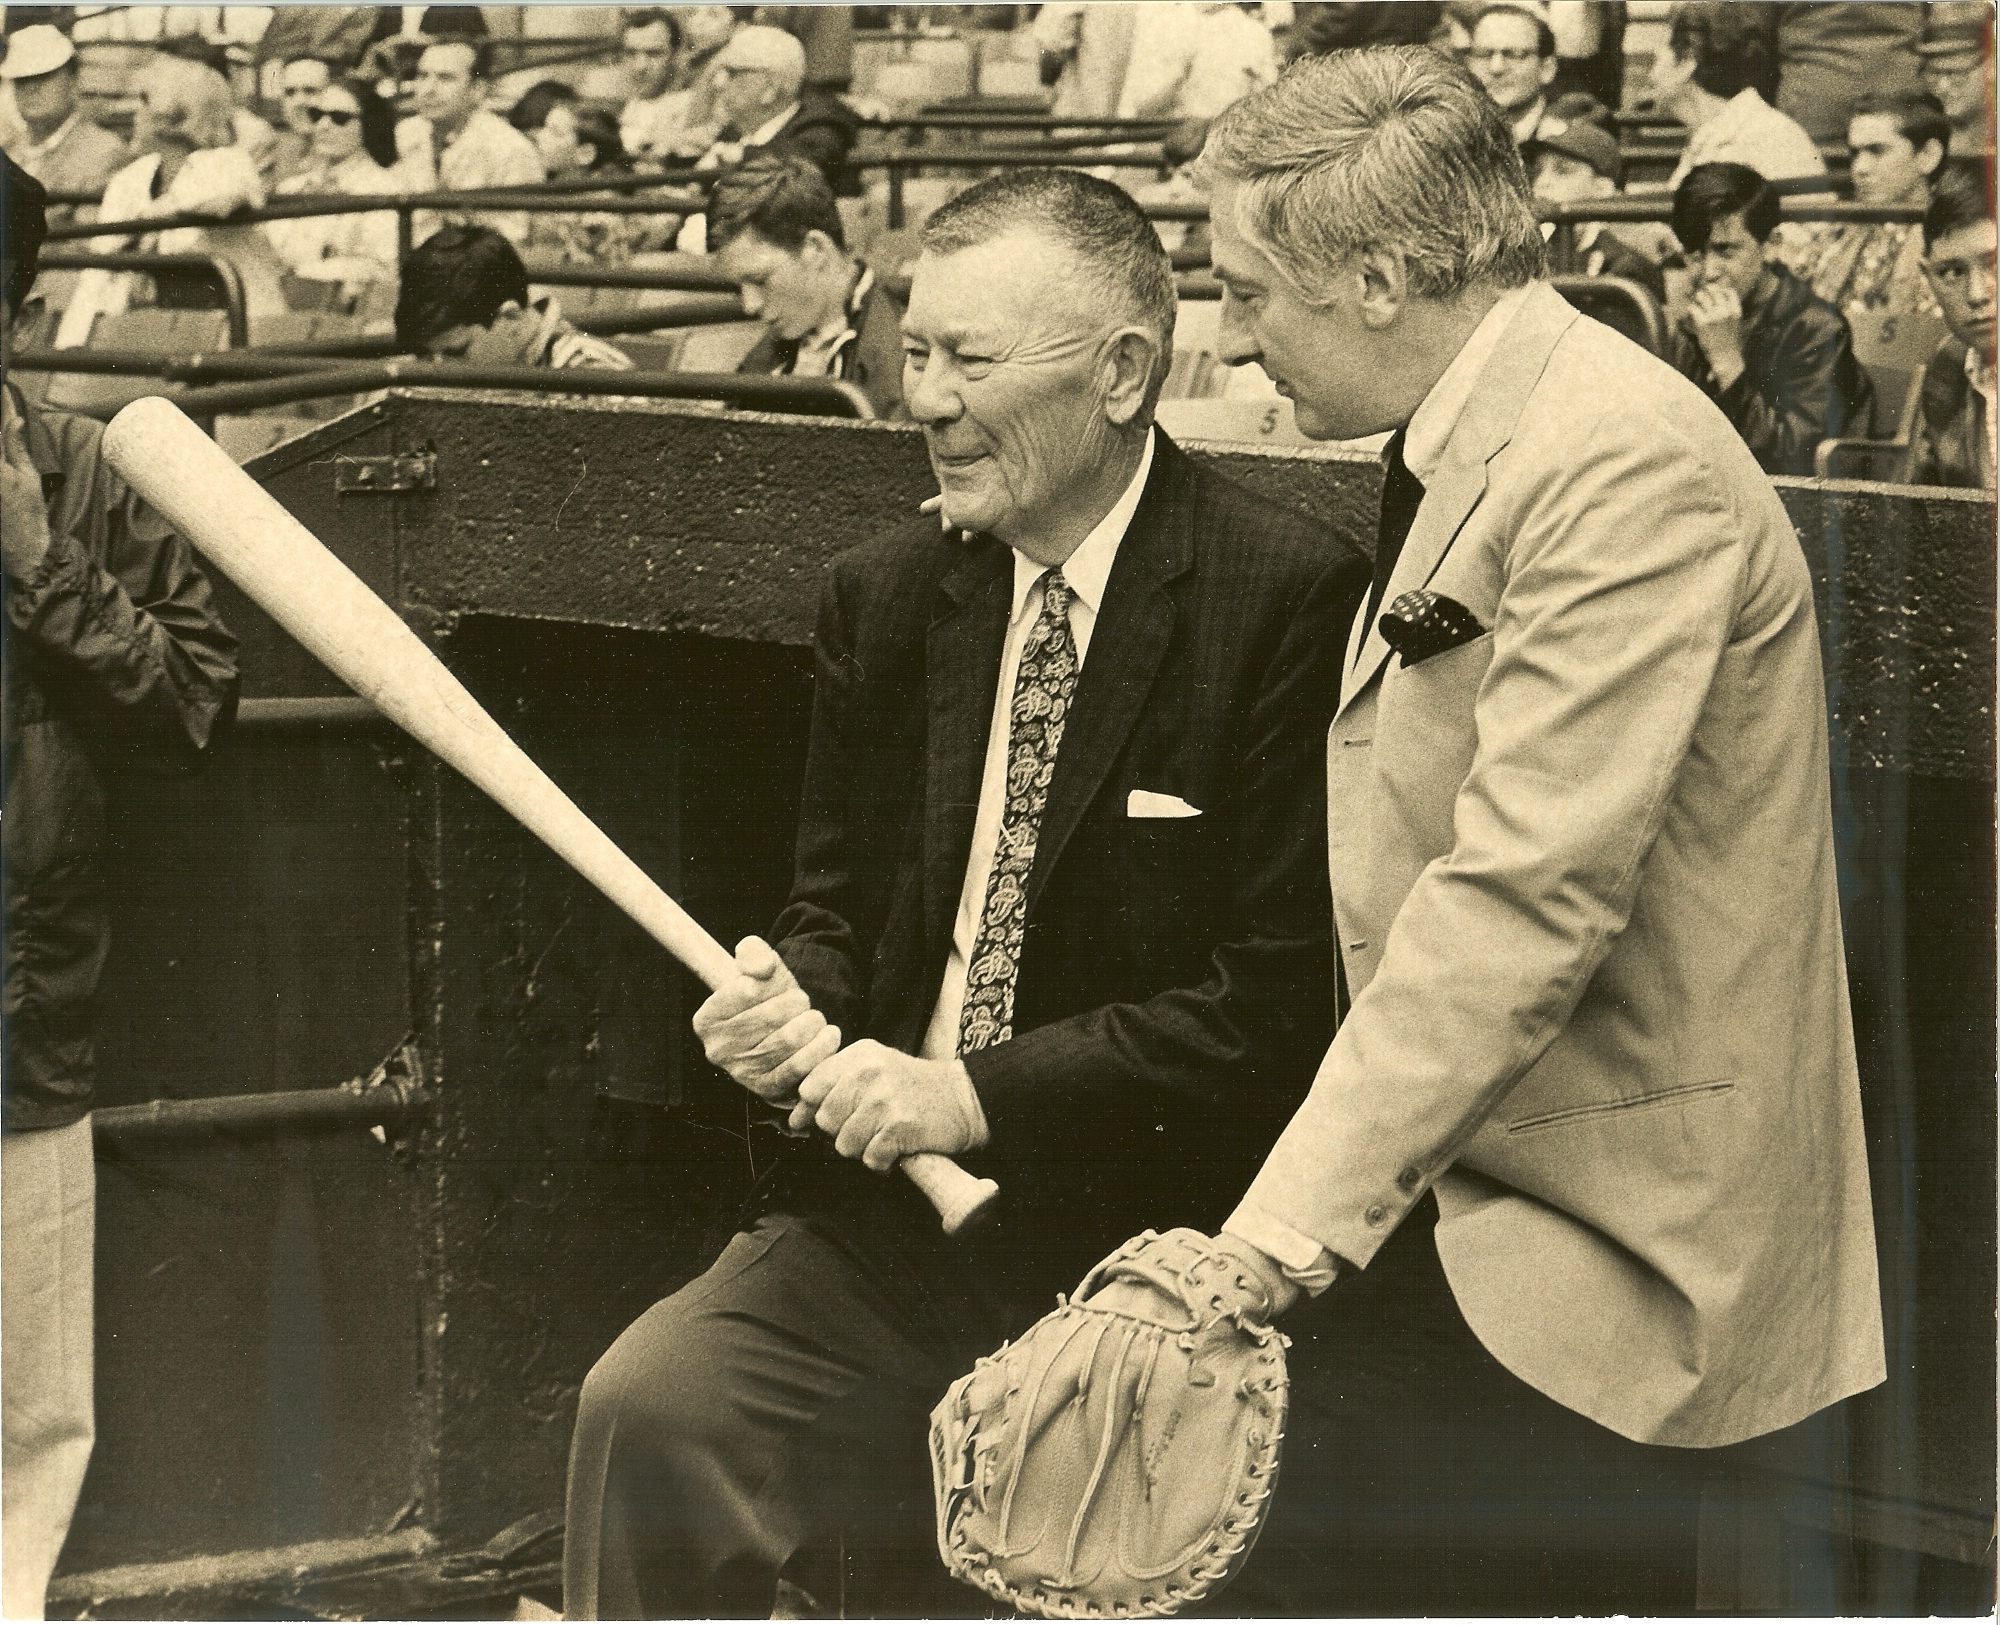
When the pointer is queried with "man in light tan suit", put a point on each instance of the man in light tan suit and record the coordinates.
(1597, 1042)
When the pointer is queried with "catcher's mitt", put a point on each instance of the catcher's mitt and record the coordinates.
(1118, 1458)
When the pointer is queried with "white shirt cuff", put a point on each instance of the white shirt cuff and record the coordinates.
(1307, 1265)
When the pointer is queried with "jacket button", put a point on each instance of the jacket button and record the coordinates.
(1407, 1179)
(1376, 1214)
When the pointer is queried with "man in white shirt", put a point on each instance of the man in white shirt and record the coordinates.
(456, 143)
(1717, 54)
(1192, 61)
(665, 118)
(1058, 865)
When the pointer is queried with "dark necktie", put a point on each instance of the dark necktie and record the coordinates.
(1042, 690)
(1402, 495)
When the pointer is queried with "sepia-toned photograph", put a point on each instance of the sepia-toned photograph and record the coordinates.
(1069, 811)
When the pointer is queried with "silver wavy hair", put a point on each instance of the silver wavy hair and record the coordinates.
(1396, 150)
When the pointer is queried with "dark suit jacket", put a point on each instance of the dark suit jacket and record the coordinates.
(1176, 981)
(822, 132)
(873, 363)
(1951, 427)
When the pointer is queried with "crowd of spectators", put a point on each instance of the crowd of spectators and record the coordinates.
(358, 102)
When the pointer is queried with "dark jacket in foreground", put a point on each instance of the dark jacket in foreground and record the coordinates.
(1952, 444)
(1177, 975)
(821, 131)
(1800, 383)
(113, 647)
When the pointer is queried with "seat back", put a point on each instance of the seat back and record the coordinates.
(1894, 346)
(1620, 304)
(174, 333)
(1267, 423)
(718, 348)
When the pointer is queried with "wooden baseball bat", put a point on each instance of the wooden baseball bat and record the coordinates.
(293, 577)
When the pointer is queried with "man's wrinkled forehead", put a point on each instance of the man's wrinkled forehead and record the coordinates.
(996, 290)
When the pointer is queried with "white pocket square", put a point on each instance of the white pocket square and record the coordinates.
(1152, 804)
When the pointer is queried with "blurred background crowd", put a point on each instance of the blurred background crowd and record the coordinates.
(1794, 200)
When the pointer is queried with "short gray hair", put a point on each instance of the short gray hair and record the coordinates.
(1117, 250)
(1397, 150)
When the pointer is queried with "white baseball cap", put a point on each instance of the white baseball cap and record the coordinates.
(36, 50)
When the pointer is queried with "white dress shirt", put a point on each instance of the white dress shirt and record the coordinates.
(1086, 570)
(1749, 130)
(1305, 1262)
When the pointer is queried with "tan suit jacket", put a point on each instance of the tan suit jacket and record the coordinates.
(1584, 889)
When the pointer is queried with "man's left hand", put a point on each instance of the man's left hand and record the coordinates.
(881, 1105)
(24, 516)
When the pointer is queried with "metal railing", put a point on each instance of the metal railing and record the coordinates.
(256, 379)
(215, 268)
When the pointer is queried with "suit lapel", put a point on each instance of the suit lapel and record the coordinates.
(1459, 481)
(1135, 624)
(962, 665)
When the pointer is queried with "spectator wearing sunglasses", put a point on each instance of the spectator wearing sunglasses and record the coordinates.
(352, 150)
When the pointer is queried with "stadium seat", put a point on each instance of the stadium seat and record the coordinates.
(1895, 347)
(1622, 305)
(654, 352)
(1267, 423)
(174, 333)
(719, 348)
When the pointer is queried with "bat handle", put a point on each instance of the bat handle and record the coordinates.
(961, 1199)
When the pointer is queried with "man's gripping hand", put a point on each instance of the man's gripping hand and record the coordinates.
(760, 1027)
(881, 1105)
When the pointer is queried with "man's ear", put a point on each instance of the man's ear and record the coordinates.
(822, 247)
(1548, 70)
(1385, 286)
(1131, 356)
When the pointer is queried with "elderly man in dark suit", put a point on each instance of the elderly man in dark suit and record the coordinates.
(1060, 880)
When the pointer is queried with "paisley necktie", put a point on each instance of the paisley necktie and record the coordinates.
(1042, 691)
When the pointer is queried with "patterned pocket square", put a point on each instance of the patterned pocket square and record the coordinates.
(1420, 624)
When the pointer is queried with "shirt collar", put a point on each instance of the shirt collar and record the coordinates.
(1979, 372)
(476, 117)
(1529, 120)
(1737, 114)
(1089, 567)
(1438, 413)
(37, 148)
(552, 323)
(767, 132)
